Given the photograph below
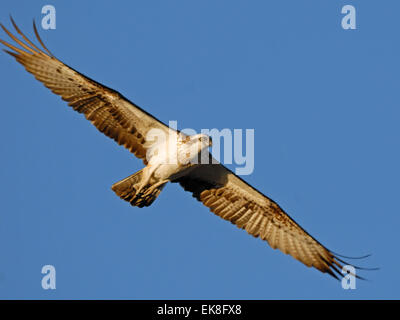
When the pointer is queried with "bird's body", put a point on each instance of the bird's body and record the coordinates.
(171, 158)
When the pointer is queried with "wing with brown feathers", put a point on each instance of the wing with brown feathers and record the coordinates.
(107, 109)
(229, 197)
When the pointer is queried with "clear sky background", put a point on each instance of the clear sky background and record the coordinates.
(324, 103)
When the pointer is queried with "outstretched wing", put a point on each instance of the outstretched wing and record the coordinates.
(107, 109)
(234, 200)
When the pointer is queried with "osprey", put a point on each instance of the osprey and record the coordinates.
(219, 189)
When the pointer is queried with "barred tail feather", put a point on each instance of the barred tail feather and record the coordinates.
(127, 189)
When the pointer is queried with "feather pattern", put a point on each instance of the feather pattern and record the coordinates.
(105, 108)
(217, 187)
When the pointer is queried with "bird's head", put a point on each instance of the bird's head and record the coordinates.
(192, 146)
(198, 142)
(201, 139)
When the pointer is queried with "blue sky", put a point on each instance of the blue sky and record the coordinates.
(324, 104)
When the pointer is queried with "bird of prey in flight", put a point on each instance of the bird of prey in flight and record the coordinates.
(219, 189)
